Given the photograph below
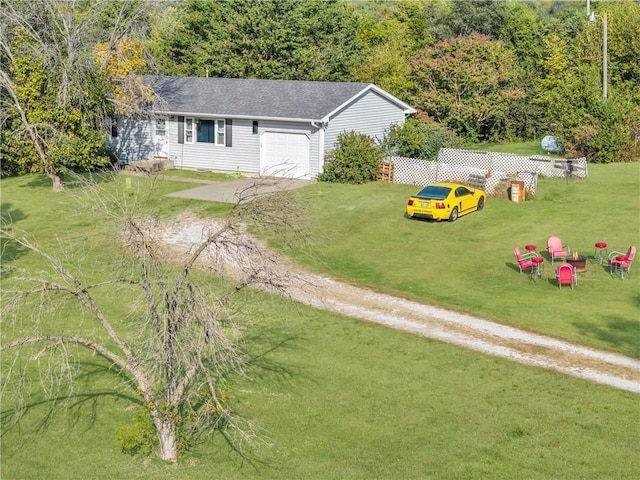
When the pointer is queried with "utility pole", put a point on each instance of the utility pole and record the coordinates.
(593, 18)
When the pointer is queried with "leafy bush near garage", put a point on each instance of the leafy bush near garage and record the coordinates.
(420, 139)
(356, 159)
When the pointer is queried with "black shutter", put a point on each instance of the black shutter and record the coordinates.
(227, 132)
(180, 129)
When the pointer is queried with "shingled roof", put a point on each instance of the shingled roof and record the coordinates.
(257, 99)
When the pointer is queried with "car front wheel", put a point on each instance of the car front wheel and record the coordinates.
(454, 214)
(481, 203)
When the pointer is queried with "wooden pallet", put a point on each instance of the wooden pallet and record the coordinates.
(386, 172)
(477, 181)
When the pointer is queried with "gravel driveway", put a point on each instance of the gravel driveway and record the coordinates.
(463, 330)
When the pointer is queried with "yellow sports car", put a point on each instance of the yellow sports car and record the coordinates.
(445, 201)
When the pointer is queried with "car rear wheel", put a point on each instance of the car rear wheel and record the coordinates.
(481, 203)
(454, 214)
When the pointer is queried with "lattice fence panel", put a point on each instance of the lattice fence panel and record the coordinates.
(413, 171)
(470, 158)
(497, 169)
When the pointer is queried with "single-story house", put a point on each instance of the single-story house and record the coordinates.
(265, 127)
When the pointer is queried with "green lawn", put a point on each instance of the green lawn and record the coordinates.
(521, 148)
(340, 398)
(360, 234)
(532, 147)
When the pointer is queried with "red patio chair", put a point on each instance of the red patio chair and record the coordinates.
(524, 261)
(621, 262)
(566, 275)
(555, 249)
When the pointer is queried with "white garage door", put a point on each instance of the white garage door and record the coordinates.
(285, 155)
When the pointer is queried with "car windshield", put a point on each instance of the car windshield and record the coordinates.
(434, 191)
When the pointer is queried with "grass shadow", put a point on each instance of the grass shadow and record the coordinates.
(9, 250)
(10, 215)
(620, 333)
(38, 181)
(512, 266)
(82, 409)
(266, 341)
(74, 180)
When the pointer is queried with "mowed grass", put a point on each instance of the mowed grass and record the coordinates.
(360, 234)
(337, 397)
(532, 147)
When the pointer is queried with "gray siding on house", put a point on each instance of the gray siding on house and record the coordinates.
(243, 154)
(134, 140)
(370, 114)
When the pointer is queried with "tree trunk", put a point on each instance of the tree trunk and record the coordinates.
(168, 443)
(10, 88)
(56, 181)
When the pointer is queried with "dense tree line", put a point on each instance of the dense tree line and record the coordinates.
(486, 70)
(275, 39)
(513, 70)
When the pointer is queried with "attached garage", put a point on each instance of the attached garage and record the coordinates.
(285, 155)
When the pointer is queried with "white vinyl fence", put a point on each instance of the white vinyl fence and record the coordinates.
(486, 170)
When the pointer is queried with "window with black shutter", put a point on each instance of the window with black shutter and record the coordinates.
(180, 129)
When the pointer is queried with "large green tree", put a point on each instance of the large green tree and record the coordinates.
(275, 39)
(559, 90)
(388, 52)
(521, 32)
(391, 35)
(467, 83)
(479, 16)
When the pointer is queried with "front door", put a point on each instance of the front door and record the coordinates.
(161, 138)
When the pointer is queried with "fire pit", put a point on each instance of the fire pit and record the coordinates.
(579, 262)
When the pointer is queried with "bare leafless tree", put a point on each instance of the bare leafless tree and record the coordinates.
(185, 337)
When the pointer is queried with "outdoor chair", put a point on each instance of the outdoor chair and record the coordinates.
(566, 275)
(621, 262)
(524, 261)
(555, 249)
